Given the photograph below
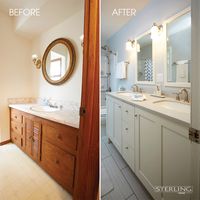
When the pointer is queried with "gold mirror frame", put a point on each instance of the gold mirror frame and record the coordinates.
(72, 61)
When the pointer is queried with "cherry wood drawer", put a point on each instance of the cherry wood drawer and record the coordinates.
(17, 128)
(16, 116)
(62, 136)
(16, 139)
(59, 164)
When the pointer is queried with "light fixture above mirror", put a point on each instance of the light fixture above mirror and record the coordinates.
(131, 45)
(156, 31)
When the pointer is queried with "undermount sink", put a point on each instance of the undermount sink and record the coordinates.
(135, 96)
(39, 108)
(126, 94)
(174, 105)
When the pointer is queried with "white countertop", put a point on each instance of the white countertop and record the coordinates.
(68, 117)
(148, 104)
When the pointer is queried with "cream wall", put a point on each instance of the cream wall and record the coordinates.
(19, 78)
(15, 70)
(72, 29)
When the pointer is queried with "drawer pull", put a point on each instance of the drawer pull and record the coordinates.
(57, 162)
(15, 127)
(135, 115)
(126, 147)
(126, 111)
(126, 129)
(119, 106)
(15, 117)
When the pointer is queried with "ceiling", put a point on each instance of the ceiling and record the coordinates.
(111, 24)
(52, 12)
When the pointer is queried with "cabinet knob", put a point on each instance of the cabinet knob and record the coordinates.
(15, 117)
(126, 147)
(15, 127)
(126, 111)
(135, 115)
(126, 129)
(119, 106)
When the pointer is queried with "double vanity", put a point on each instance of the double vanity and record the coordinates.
(49, 136)
(153, 138)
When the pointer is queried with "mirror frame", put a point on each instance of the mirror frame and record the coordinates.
(72, 61)
(171, 19)
(153, 61)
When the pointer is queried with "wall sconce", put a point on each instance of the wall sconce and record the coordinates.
(82, 40)
(131, 44)
(37, 62)
(156, 31)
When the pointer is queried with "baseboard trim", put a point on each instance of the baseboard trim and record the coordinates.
(5, 142)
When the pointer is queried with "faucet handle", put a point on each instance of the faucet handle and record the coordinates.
(177, 96)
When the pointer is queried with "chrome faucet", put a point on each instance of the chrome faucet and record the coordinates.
(183, 92)
(136, 88)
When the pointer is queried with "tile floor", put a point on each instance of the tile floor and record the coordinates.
(22, 179)
(122, 183)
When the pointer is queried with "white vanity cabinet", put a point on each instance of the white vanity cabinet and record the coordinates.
(128, 134)
(163, 153)
(120, 128)
(109, 118)
(117, 124)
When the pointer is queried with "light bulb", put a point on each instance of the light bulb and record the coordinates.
(34, 56)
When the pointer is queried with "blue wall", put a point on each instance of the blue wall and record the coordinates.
(156, 11)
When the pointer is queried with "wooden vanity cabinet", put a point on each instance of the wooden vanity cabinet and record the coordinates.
(17, 129)
(32, 137)
(52, 145)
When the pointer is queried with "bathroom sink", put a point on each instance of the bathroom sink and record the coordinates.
(39, 108)
(127, 94)
(174, 105)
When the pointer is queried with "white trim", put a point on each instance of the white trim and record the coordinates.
(153, 63)
(166, 83)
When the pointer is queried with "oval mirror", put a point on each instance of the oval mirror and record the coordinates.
(58, 61)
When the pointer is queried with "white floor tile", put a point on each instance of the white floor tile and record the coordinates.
(22, 179)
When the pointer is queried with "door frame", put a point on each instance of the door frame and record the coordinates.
(87, 170)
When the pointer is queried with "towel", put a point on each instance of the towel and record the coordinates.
(182, 73)
(121, 70)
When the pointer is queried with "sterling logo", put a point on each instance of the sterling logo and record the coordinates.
(174, 189)
(24, 11)
(124, 12)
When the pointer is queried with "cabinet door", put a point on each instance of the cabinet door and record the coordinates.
(109, 120)
(176, 149)
(33, 134)
(117, 124)
(148, 150)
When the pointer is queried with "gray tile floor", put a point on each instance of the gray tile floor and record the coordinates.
(118, 181)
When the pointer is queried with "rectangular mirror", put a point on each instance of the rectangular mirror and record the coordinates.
(145, 68)
(178, 48)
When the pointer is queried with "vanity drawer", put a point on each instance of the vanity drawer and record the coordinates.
(62, 136)
(128, 112)
(17, 128)
(16, 139)
(16, 116)
(59, 164)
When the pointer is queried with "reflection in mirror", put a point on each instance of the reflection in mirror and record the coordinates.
(179, 49)
(145, 70)
(57, 62)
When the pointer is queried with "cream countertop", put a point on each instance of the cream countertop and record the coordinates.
(67, 116)
(178, 116)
